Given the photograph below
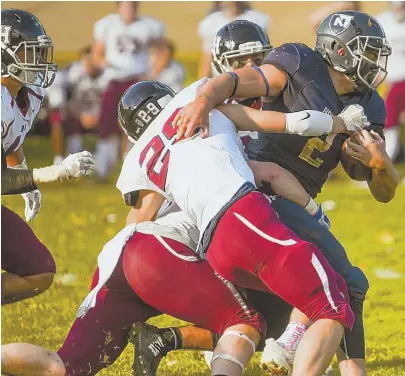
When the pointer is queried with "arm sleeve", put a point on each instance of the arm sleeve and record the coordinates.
(15, 181)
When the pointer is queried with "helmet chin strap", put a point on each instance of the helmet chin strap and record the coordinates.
(358, 84)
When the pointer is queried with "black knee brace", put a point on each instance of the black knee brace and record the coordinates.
(353, 344)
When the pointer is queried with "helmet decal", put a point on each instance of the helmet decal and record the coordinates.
(339, 23)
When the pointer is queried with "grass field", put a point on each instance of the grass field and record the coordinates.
(75, 222)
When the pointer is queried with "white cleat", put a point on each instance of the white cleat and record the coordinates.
(276, 361)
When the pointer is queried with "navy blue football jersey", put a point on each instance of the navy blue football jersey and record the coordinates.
(309, 87)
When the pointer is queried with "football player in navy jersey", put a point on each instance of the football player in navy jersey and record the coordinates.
(346, 66)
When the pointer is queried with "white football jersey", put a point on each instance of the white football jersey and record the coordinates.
(126, 45)
(209, 26)
(395, 32)
(174, 224)
(201, 175)
(16, 122)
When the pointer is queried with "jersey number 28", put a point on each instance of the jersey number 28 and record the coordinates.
(158, 163)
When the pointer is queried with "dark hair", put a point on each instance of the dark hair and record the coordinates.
(161, 43)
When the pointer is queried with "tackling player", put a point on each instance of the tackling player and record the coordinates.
(87, 349)
(348, 63)
(26, 69)
(232, 188)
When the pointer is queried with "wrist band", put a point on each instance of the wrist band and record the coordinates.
(236, 80)
(265, 81)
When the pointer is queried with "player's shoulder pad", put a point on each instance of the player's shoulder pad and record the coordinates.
(375, 109)
(113, 17)
(289, 57)
(105, 23)
(151, 21)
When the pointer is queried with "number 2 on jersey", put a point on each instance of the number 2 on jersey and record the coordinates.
(158, 163)
(315, 143)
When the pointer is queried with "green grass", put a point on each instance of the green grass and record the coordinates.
(73, 224)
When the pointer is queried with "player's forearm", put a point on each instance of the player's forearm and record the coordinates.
(283, 182)
(304, 123)
(216, 90)
(146, 207)
(15, 182)
(98, 55)
(384, 182)
(139, 216)
(249, 119)
(16, 158)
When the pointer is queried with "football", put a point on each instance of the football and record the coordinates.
(354, 168)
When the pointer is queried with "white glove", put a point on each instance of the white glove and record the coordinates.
(72, 167)
(32, 204)
(354, 118)
(78, 164)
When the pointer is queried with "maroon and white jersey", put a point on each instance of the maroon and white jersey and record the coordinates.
(85, 91)
(201, 175)
(126, 45)
(16, 120)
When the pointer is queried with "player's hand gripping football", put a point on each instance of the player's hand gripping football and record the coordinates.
(354, 118)
(192, 116)
(78, 164)
(32, 204)
(368, 148)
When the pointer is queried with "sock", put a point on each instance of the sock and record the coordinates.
(113, 151)
(312, 206)
(74, 143)
(107, 155)
(292, 335)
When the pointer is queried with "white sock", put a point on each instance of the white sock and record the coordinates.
(114, 144)
(74, 143)
(312, 206)
(107, 155)
(292, 335)
(101, 158)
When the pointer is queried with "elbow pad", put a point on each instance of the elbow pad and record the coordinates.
(130, 198)
(308, 123)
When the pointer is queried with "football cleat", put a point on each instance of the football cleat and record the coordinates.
(149, 348)
(276, 361)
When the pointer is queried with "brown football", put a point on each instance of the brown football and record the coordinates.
(354, 168)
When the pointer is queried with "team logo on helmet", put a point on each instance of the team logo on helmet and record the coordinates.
(339, 23)
(5, 34)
